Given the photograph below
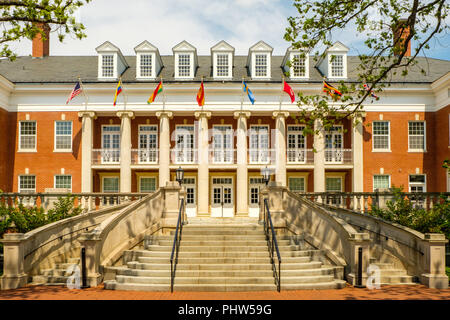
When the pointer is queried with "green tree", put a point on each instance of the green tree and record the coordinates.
(375, 20)
(22, 18)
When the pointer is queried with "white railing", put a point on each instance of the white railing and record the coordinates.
(183, 156)
(144, 156)
(222, 156)
(106, 156)
(295, 155)
(338, 156)
(260, 156)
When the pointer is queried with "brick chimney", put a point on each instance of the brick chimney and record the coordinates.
(41, 47)
(400, 32)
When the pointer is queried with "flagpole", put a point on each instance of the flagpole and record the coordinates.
(203, 104)
(164, 94)
(242, 94)
(281, 93)
(124, 94)
(86, 98)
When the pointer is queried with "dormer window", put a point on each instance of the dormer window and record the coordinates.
(259, 61)
(146, 65)
(261, 65)
(337, 66)
(296, 63)
(222, 60)
(223, 69)
(111, 62)
(186, 61)
(184, 65)
(148, 61)
(108, 66)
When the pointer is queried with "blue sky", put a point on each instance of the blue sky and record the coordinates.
(202, 23)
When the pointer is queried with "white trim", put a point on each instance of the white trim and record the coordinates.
(373, 180)
(54, 137)
(62, 175)
(191, 66)
(268, 66)
(19, 148)
(230, 65)
(344, 65)
(26, 175)
(110, 176)
(389, 137)
(100, 66)
(291, 70)
(417, 183)
(424, 137)
(138, 66)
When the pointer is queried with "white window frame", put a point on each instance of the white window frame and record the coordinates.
(191, 65)
(194, 150)
(55, 136)
(344, 65)
(289, 150)
(417, 183)
(62, 175)
(26, 190)
(373, 181)
(230, 65)
(100, 69)
(424, 137)
(292, 58)
(155, 132)
(268, 66)
(112, 176)
(21, 149)
(153, 65)
(147, 177)
(259, 150)
(389, 137)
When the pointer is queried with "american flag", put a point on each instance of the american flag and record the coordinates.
(76, 91)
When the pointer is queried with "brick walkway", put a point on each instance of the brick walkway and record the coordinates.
(348, 293)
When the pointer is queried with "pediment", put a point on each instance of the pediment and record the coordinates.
(108, 47)
(261, 46)
(145, 46)
(338, 47)
(222, 46)
(184, 46)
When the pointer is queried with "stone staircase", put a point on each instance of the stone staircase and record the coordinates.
(59, 274)
(224, 256)
(390, 275)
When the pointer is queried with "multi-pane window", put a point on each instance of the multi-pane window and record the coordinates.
(337, 66)
(63, 135)
(111, 184)
(146, 65)
(417, 183)
(296, 144)
(255, 184)
(148, 144)
(184, 144)
(381, 135)
(297, 184)
(381, 182)
(261, 65)
(333, 184)
(107, 65)
(184, 65)
(259, 144)
(27, 135)
(148, 184)
(416, 135)
(298, 66)
(222, 65)
(27, 184)
(63, 182)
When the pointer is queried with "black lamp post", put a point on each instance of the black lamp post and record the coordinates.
(266, 175)
(180, 175)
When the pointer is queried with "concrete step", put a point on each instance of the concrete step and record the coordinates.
(262, 246)
(230, 253)
(208, 231)
(384, 265)
(216, 243)
(215, 237)
(65, 266)
(223, 227)
(392, 272)
(49, 279)
(217, 260)
(267, 272)
(335, 284)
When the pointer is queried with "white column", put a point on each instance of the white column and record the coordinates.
(319, 157)
(203, 170)
(280, 147)
(357, 151)
(87, 141)
(241, 172)
(125, 150)
(164, 146)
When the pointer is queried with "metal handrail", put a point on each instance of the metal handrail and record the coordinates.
(176, 245)
(272, 244)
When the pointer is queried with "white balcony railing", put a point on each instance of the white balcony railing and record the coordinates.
(183, 156)
(260, 156)
(222, 156)
(105, 156)
(338, 156)
(144, 156)
(300, 155)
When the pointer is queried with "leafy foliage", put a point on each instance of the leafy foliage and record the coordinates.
(23, 219)
(376, 21)
(23, 18)
(402, 211)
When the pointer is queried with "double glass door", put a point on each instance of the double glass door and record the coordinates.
(110, 144)
(222, 198)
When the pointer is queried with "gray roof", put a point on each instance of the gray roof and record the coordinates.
(66, 69)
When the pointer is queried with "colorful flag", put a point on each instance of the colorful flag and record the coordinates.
(249, 92)
(332, 91)
(76, 91)
(371, 92)
(158, 89)
(201, 96)
(287, 88)
(118, 91)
